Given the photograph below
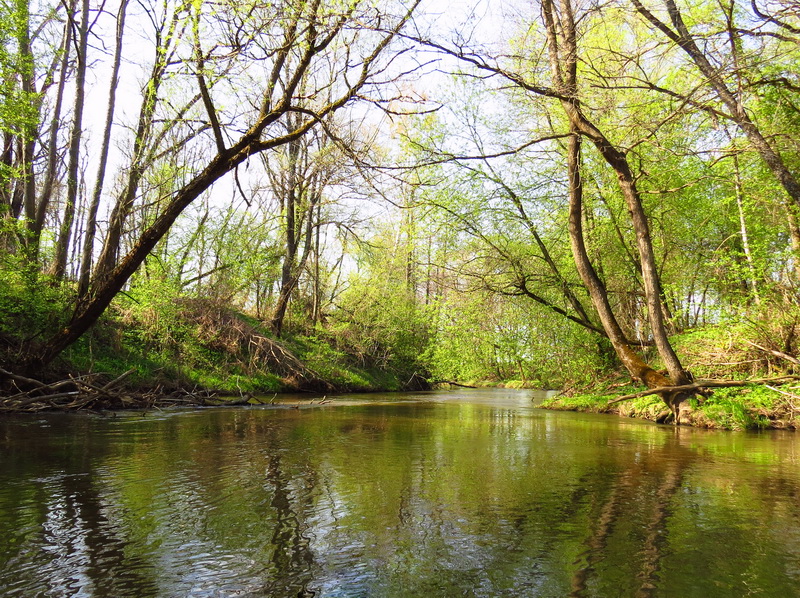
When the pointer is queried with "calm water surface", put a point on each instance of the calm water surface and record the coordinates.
(467, 493)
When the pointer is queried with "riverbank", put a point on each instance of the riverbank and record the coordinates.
(156, 350)
(751, 407)
(195, 352)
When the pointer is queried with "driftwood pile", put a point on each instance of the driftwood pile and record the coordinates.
(89, 393)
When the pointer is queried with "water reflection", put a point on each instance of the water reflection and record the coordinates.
(437, 496)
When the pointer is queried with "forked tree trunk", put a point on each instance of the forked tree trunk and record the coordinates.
(562, 49)
(300, 188)
(635, 365)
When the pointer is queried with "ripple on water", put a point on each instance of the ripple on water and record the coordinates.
(410, 498)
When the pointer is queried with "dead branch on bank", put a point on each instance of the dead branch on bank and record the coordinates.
(791, 395)
(85, 393)
(451, 383)
(700, 385)
(774, 353)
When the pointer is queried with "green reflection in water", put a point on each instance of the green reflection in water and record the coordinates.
(472, 494)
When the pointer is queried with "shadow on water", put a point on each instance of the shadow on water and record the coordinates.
(433, 494)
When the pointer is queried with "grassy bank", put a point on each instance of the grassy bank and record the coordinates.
(762, 346)
(195, 344)
(746, 408)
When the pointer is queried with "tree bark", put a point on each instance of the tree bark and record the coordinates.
(301, 187)
(636, 367)
(63, 243)
(52, 147)
(562, 50)
(91, 217)
(124, 204)
(316, 312)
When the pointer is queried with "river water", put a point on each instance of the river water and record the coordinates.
(460, 493)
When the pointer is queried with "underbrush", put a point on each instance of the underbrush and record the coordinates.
(743, 346)
(745, 408)
(172, 342)
(338, 367)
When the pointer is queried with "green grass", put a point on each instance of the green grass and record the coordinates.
(173, 353)
(739, 408)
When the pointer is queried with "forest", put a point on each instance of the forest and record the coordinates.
(342, 194)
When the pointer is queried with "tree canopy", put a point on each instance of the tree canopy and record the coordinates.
(533, 191)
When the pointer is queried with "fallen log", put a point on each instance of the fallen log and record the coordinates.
(453, 383)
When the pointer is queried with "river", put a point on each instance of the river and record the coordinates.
(451, 493)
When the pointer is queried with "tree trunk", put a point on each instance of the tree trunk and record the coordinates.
(317, 307)
(164, 53)
(562, 48)
(26, 200)
(90, 307)
(597, 291)
(289, 189)
(52, 147)
(91, 217)
(739, 190)
(63, 243)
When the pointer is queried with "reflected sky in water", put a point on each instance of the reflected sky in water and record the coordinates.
(465, 493)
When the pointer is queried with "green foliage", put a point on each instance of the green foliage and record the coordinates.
(18, 109)
(728, 408)
(481, 336)
(30, 303)
(157, 331)
(331, 363)
(153, 303)
(581, 402)
(380, 321)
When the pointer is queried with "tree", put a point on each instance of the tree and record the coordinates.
(725, 76)
(563, 52)
(295, 43)
(561, 35)
(76, 135)
(24, 83)
(298, 183)
(91, 218)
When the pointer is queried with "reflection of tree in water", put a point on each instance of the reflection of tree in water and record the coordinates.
(671, 516)
(647, 513)
(646, 487)
(98, 542)
(84, 544)
(291, 567)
